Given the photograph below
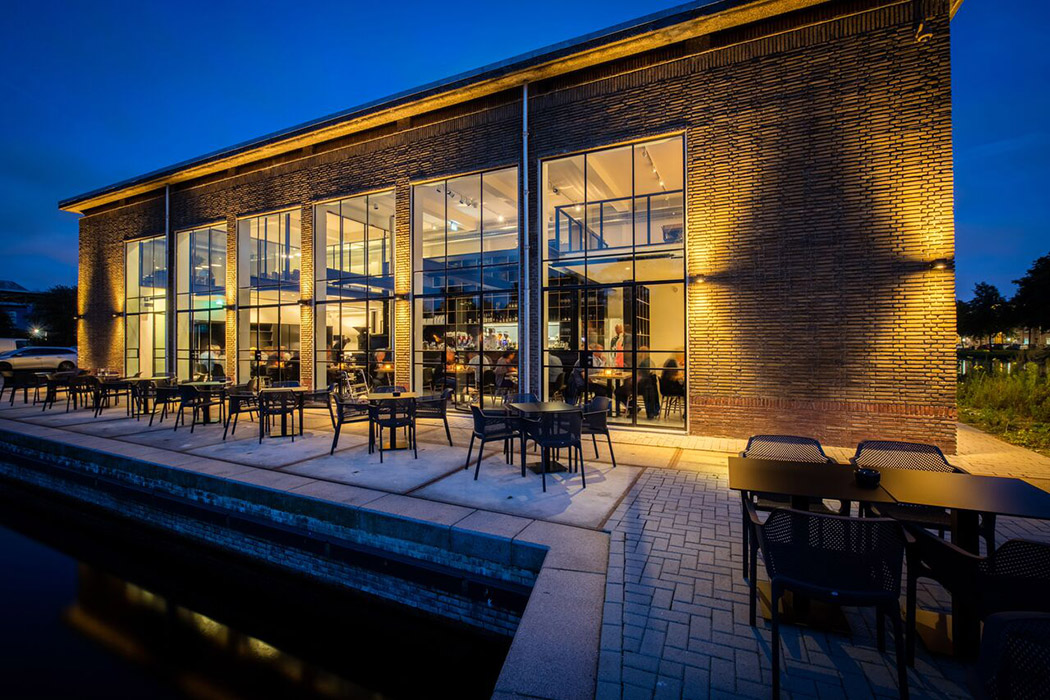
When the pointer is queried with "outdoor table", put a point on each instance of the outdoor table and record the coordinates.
(966, 496)
(284, 416)
(206, 388)
(802, 481)
(536, 408)
(379, 397)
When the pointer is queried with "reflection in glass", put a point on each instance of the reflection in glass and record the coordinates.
(145, 304)
(200, 303)
(268, 265)
(466, 279)
(354, 289)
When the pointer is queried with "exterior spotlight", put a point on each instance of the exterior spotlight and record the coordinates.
(697, 279)
(939, 264)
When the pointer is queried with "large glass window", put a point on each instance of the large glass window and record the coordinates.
(614, 280)
(145, 304)
(200, 302)
(465, 267)
(354, 241)
(268, 264)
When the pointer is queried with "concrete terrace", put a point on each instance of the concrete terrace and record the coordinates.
(674, 617)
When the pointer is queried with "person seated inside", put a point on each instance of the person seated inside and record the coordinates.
(672, 380)
(506, 370)
(378, 372)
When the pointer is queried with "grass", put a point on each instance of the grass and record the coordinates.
(1015, 407)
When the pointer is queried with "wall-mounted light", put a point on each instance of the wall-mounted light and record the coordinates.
(940, 264)
(402, 296)
(118, 314)
(304, 302)
(697, 279)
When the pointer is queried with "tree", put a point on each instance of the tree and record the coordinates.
(987, 313)
(53, 314)
(1032, 300)
(7, 327)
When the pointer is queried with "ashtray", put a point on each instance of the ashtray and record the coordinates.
(398, 393)
(867, 478)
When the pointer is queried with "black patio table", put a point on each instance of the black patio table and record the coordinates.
(536, 408)
(208, 388)
(966, 496)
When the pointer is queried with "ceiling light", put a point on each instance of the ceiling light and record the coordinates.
(500, 218)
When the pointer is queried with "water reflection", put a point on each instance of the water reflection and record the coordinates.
(167, 618)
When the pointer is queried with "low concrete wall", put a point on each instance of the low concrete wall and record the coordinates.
(554, 653)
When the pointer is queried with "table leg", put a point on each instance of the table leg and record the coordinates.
(966, 631)
(393, 438)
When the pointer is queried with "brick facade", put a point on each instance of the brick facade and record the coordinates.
(818, 192)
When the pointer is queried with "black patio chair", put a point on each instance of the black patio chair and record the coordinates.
(388, 389)
(320, 399)
(436, 407)
(239, 399)
(891, 454)
(278, 404)
(165, 395)
(596, 422)
(57, 383)
(492, 428)
(1015, 577)
(394, 414)
(348, 409)
(83, 392)
(784, 448)
(287, 384)
(23, 381)
(833, 558)
(199, 401)
(1015, 657)
(115, 390)
(673, 393)
(555, 431)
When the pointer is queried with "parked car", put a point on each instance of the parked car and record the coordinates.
(9, 344)
(38, 359)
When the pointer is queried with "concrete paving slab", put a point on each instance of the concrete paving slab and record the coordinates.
(272, 452)
(420, 509)
(572, 548)
(61, 419)
(119, 428)
(339, 493)
(399, 472)
(272, 479)
(501, 488)
(181, 440)
(629, 453)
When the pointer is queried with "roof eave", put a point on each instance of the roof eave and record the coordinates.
(670, 26)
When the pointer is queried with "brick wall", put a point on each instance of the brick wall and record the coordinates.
(819, 189)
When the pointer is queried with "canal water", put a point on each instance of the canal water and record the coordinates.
(91, 607)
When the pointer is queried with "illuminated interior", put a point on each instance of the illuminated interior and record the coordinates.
(200, 303)
(614, 280)
(465, 276)
(145, 306)
(268, 259)
(354, 241)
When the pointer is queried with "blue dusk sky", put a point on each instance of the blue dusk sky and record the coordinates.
(98, 92)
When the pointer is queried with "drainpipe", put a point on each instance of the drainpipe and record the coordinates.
(169, 312)
(525, 293)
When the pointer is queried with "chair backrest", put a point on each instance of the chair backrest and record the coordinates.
(951, 566)
(550, 429)
(1016, 576)
(218, 372)
(891, 454)
(389, 389)
(824, 550)
(285, 385)
(1015, 656)
(790, 448)
(188, 393)
(596, 413)
(390, 410)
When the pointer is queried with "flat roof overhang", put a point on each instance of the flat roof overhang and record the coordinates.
(653, 31)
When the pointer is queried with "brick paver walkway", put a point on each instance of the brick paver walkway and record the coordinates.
(675, 619)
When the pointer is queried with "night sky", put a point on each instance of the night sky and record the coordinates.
(98, 92)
